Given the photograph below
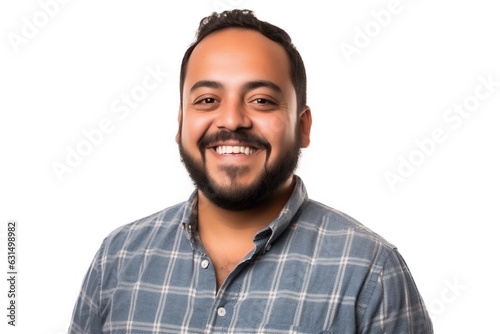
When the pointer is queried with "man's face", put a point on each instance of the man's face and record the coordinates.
(239, 133)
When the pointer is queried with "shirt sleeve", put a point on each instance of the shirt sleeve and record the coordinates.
(395, 306)
(86, 314)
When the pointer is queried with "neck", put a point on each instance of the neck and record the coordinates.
(214, 221)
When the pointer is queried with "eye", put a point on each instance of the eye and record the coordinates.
(262, 101)
(205, 103)
(207, 100)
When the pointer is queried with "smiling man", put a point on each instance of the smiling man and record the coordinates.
(249, 252)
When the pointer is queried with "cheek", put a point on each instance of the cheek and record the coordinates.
(279, 131)
(193, 128)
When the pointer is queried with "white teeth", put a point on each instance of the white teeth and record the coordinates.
(235, 149)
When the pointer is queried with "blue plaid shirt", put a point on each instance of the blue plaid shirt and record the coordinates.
(313, 270)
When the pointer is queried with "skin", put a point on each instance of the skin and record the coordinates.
(233, 60)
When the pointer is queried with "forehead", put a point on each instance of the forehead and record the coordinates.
(237, 55)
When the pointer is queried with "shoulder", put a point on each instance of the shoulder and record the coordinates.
(344, 235)
(316, 214)
(369, 260)
(145, 232)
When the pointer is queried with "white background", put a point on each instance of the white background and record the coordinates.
(367, 112)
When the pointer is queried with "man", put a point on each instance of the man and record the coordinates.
(248, 252)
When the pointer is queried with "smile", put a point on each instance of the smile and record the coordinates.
(247, 150)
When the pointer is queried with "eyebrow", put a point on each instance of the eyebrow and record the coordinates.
(206, 83)
(248, 86)
(262, 83)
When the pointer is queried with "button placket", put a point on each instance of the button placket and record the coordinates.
(266, 249)
(221, 311)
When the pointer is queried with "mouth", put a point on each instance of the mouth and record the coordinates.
(231, 149)
(238, 145)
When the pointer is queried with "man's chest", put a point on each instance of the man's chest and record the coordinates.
(269, 294)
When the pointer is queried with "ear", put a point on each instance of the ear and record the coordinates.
(179, 120)
(305, 120)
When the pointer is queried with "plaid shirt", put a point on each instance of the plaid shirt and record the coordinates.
(313, 270)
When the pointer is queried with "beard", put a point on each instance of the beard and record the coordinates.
(236, 196)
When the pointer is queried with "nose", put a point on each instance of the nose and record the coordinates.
(233, 116)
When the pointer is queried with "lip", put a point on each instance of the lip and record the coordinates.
(233, 157)
(233, 143)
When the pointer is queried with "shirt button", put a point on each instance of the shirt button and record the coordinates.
(221, 311)
(268, 247)
(204, 264)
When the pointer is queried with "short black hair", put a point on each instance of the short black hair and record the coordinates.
(245, 18)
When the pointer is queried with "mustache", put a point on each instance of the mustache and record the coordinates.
(243, 137)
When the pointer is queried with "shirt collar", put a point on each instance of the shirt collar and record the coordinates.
(272, 231)
(289, 211)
